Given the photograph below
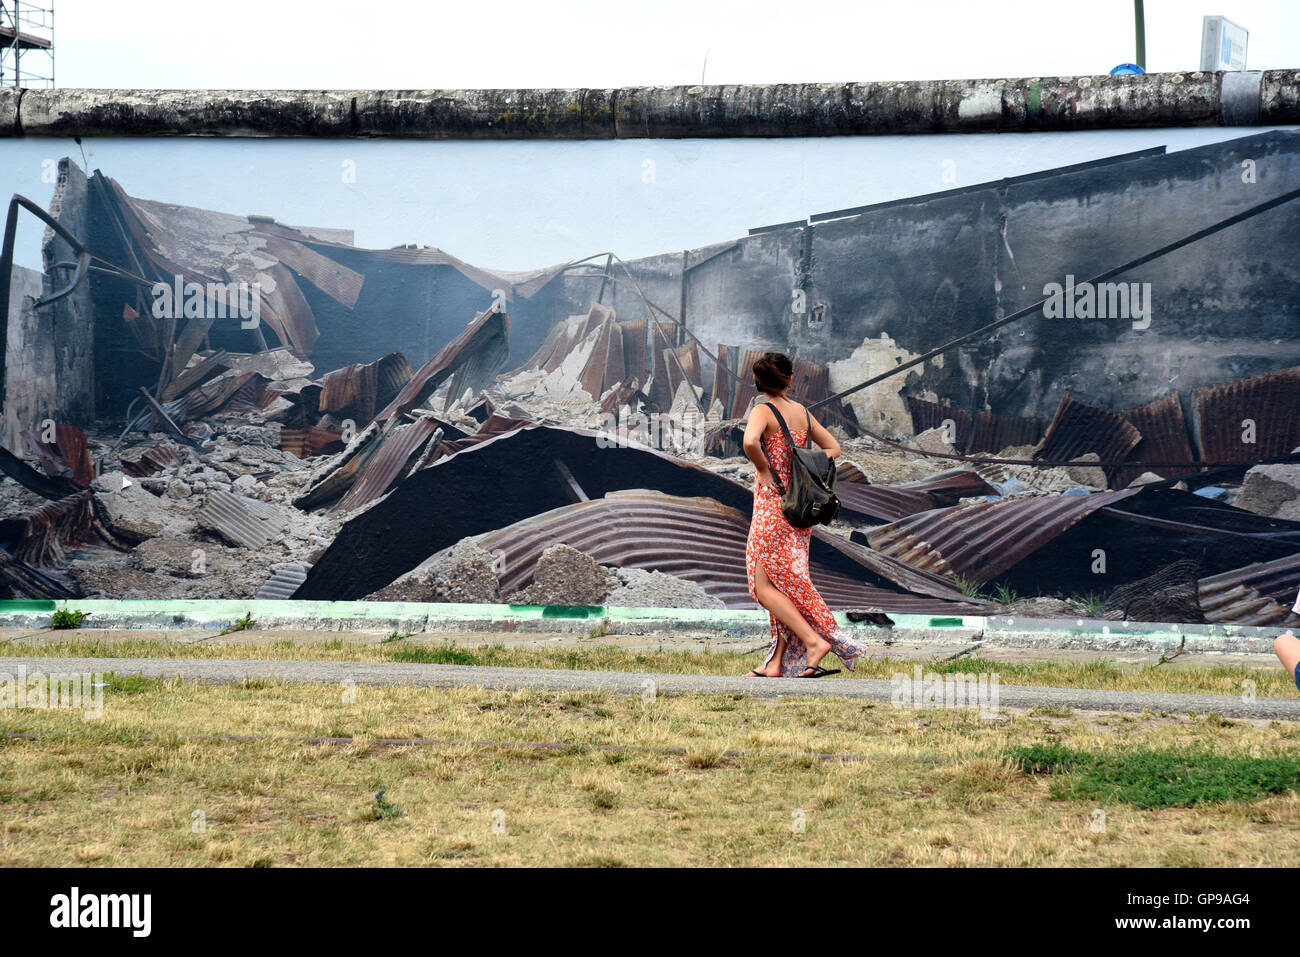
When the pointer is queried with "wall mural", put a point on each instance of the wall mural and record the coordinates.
(1074, 387)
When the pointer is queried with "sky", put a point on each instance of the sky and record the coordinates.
(417, 44)
(527, 204)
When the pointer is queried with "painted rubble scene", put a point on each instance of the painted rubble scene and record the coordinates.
(200, 403)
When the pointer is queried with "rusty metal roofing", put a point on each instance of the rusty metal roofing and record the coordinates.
(605, 366)
(521, 469)
(198, 373)
(697, 539)
(635, 354)
(68, 456)
(150, 461)
(361, 388)
(1164, 439)
(39, 537)
(724, 374)
(928, 415)
(331, 277)
(383, 467)
(293, 320)
(241, 520)
(472, 358)
(310, 441)
(209, 397)
(994, 432)
(353, 385)
(1262, 407)
(889, 503)
(1258, 594)
(1077, 429)
(979, 541)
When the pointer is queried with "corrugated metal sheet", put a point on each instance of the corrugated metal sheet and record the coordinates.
(20, 580)
(696, 539)
(683, 362)
(928, 415)
(241, 520)
(1258, 594)
(634, 349)
(722, 381)
(207, 398)
(481, 347)
(309, 441)
(994, 432)
(337, 281)
(604, 366)
(889, 503)
(253, 396)
(1164, 439)
(387, 463)
(1224, 414)
(361, 388)
(199, 372)
(284, 581)
(40, 537)
(297, 323)
(1078, 429)
(352, 387)
(150, 461)
(396, 534)
(67, 457)
(980, 541)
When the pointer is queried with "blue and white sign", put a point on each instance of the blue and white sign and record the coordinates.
(1223, 44)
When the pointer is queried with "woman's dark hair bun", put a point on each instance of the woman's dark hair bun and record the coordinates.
(772, 372)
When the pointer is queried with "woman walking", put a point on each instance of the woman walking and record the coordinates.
(776, 555)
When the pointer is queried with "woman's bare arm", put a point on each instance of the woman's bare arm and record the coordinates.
(823, 438)
(754, 428)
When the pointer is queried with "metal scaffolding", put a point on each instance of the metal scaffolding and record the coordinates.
(26, 44)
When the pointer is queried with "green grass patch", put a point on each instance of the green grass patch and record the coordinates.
(131, 684)
(67, 618)
(1155, 779)
(435, 655)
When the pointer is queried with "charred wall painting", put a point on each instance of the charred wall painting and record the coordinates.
(207, 403)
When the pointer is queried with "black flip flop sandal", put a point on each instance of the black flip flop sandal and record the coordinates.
(818, 672)
(755, 673)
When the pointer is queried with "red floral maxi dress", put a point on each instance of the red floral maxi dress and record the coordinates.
(783, 551)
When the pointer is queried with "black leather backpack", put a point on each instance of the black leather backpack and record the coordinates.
(810, 499)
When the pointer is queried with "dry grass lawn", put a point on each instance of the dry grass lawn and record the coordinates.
(928, 788)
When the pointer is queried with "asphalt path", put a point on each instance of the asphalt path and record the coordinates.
(225, 671)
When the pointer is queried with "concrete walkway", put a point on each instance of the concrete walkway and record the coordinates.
(452, 676)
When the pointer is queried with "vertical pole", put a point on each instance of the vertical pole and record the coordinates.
(18, 50)
(1139, 23)
(681, 308)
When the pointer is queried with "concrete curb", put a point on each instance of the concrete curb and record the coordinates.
(1022, 104)
(508, 679)
(417, 617)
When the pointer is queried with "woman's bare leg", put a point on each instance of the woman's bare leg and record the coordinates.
(775, 601)
(1287, 647)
